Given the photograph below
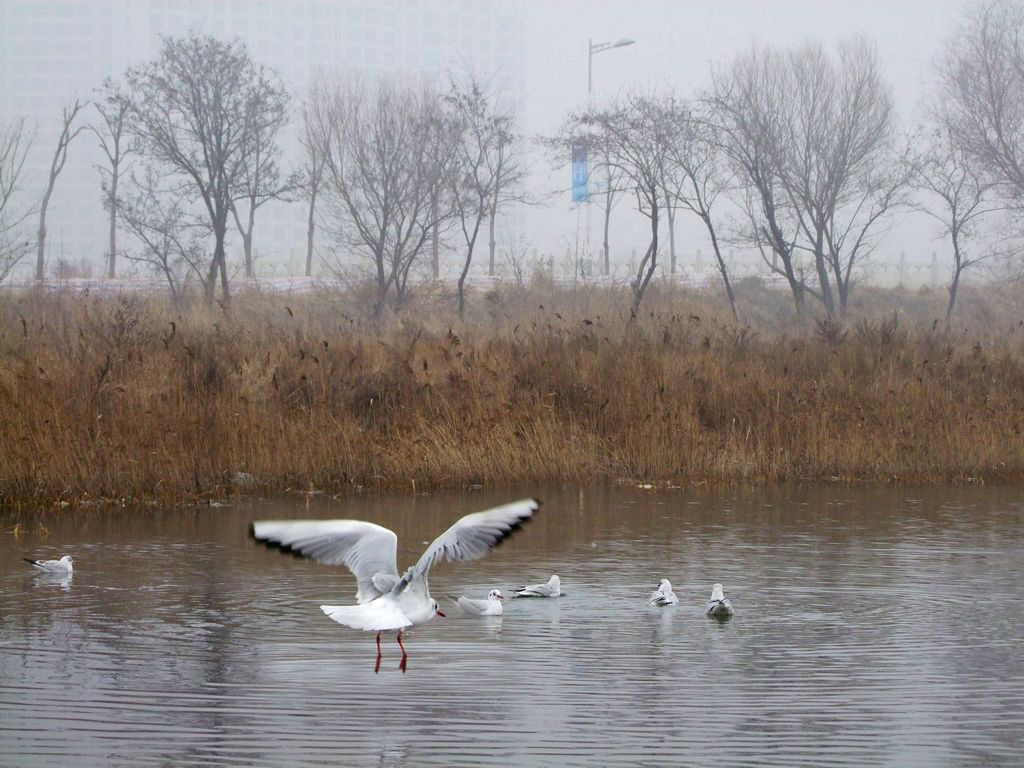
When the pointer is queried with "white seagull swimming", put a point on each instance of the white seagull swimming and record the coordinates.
(64, 565)
(719, 604)
(490, 607)
(389, 602)
(552, 589)
(663, 595)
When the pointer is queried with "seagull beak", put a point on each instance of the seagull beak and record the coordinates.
(439, 613)
(500, 597)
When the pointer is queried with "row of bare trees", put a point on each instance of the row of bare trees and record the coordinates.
(798, 153)
(791, 151)
(400, 164)
(15, 141)
(191, 142)
(795, 152)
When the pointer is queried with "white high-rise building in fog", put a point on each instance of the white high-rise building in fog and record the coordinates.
(54, 50)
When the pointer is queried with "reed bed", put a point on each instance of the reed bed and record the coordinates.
(127, 399)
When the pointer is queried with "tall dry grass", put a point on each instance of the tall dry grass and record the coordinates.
(126, 399)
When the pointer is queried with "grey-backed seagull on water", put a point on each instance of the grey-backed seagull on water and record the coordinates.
(663, 595)
(719, 604)
(491, 606)
(552, 589)
(64, 565)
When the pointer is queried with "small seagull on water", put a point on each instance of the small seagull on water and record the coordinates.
(64, 565)
(663, 595)
(388, 602)
(552, 589)
(490, 607)
(719, 604)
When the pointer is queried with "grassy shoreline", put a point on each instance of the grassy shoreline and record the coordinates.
(124, 398)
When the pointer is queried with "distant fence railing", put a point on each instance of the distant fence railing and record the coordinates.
(695, 270)
(286, 285)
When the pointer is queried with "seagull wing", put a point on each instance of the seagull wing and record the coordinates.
(536, 590)
(52, 566)
(366, 549)
(469, 605)
(472, 537)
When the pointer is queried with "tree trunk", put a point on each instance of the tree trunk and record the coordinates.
(211, 278)
(225, 290)
(649, 262)
(722, 267)
(470, 247)
(490, 269)
(112, 263)
(607, 219)
(250, 268)
(382, 285)
(823, 278)
(955, 284)
(671, 215)
(798, 296)
(843, 288)
(780, 250)
(310, 229)
(219, 264)
(462, 282)
(247, 248)
(41, 242)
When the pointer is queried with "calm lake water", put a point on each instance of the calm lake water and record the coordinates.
(879, 627)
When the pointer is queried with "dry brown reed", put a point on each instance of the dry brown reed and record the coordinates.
(124, 398)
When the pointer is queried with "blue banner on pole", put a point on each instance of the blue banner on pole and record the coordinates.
(580, 175)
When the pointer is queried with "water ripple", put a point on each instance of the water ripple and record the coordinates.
(871, 628)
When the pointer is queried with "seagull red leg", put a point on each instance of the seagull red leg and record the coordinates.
(377, 667)
(405, 656)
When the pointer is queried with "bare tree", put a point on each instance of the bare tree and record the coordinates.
(838, 163)
(169, 236)
(262, 180)
(612, 182)
(697, 175)
(388, 149)
(15, 142)
(956, 196)
(748, 104)
(816, 140)
(486, 169)
(509, 174)
(113, 107)
(312, 176)
(637, 139)
(67, 135)
(202, 108)
(982, 93)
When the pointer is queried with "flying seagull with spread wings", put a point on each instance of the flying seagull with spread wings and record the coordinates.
(387, 601)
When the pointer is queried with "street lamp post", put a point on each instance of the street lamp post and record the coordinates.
(593, 48)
